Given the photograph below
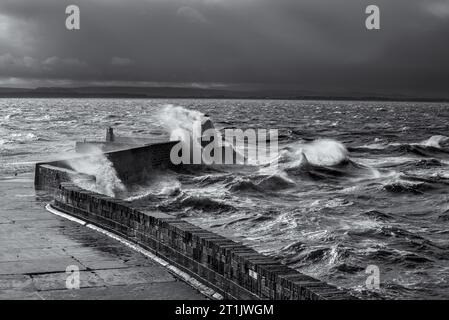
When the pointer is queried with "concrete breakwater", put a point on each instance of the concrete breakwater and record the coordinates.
(132, 164)
(230, 268)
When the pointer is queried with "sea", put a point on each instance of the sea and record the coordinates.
(358, 186)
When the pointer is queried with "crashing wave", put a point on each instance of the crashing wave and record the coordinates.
(322, 152)
(164, 188)
(97, 164)
(180, 122)
(435, 141)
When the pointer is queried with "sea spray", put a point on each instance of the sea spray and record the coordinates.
(97, 164)
(180, 121)
(183, 125)
(325, 152)
(201, 143)
(322, 152)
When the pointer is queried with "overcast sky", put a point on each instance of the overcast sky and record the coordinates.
(311, 45)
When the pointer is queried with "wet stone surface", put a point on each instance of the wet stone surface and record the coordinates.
(36, 247)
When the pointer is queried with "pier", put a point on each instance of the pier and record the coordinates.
(228, 268)
(38, 246)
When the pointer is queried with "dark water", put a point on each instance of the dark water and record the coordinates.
(373, 190)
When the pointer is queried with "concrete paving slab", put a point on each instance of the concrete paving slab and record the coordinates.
(16, 282)
(4, 220)
(38, 266)
(43, 224)
(12, 254)
(156, 291)
(57, 281)
(114, 277)
(104, 264)
(19, 295)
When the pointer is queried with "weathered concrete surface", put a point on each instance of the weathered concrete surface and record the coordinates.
(36, 247)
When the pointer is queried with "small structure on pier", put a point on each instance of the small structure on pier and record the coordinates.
(114, 143)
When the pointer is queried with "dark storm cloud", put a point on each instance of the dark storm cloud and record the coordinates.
(316, 45)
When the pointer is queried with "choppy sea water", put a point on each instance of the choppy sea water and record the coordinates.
(358, 183)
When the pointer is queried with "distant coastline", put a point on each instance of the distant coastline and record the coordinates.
(195, 93)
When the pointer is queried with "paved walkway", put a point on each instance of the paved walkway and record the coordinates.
(36, 247)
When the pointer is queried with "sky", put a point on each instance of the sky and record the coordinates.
(319, 46)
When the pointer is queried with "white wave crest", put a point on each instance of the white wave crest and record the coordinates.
(435, 141)
(161, 186)
(322, 152)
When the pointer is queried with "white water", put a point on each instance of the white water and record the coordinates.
(96, 164)
(435, 141)
(322, 152)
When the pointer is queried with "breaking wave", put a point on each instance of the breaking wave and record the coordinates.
(435, 141)
(98, 165)
(180, 123)
(160, 186)
(191, 204)
(261, 183)
(323, 152)
(435, 145)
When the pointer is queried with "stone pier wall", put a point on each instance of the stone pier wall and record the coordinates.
(50, 176)
(134, 164)
(232, 269)
(131, 164)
